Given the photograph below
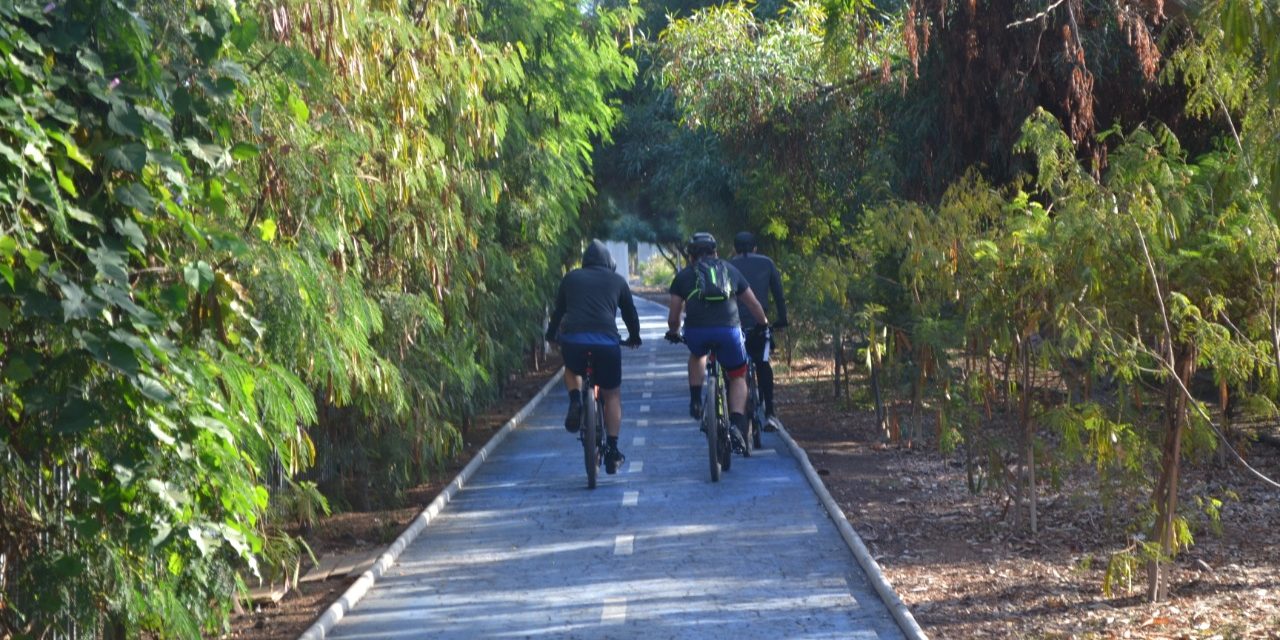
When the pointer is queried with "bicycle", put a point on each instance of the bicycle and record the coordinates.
(715, 417)
(755, 410)
(592, 432)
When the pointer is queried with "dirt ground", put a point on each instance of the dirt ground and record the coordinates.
(967, 571)
(957, 559)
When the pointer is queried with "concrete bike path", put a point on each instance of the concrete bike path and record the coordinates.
(655, 551)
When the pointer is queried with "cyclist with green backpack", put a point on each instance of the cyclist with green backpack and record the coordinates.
(705, 293)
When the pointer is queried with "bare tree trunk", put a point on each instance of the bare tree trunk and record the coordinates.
(1028, 439)
(881, 419)
(839, 364)
(1224, 398)
(1165, 497)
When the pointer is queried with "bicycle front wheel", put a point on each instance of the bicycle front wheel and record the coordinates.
(590, 437)
(755, 411)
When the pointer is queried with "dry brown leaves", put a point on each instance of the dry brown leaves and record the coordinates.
(967, 572)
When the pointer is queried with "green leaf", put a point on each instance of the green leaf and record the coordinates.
(301, 114)
(244, 151)
(67, 184)
(76, 303)
(151, 388)
(72, 149)
(244, 34)
(111, 265)
(173, 496)
(267, 229)
(199, 276)
(17, 371)
(125, 122)
(157, 120)
(81, 215)
(218, 427)
(33, 258)
(131, 231)
(90, 60)
(76, 416)
(211, 154)
(128, 157)
(135, 196)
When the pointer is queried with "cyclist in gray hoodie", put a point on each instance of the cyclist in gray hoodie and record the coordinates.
(582, 323)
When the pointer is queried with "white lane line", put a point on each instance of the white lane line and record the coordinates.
(647, 395)
(630, 498)
(614, 611)
(637, 441)
(644, 408)
(624, 545)
(636, 466)
(648, 383)
(642, 423)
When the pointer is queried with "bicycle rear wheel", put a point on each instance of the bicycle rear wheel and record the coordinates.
(590, 434)
(722, 419)
(711, 420)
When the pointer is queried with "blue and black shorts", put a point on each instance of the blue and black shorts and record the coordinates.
(730, 351)
(606, 361)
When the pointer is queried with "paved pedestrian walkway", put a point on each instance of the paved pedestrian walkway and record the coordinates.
(656, 551)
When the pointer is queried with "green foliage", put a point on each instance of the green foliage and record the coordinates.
(232, 247)
(988, 248)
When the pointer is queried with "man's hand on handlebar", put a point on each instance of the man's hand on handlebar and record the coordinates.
(673, 337)
(632, 341)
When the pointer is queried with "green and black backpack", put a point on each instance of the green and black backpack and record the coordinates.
(712, 283)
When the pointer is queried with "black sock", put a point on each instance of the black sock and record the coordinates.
(695, 393)
(612, 442)
(738, 420)
(575, 396)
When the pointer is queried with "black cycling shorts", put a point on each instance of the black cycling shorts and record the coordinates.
(606, 371)
(759, 346)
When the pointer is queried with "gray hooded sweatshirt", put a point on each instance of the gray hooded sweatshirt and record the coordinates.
(590, 297)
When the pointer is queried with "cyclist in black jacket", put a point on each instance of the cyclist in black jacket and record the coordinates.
(766, 281)
(583, 321)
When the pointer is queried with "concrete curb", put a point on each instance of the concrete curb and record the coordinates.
(335, 612)
(897, 608)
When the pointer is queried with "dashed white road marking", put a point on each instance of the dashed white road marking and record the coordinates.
(642, 423)
(624, 545)
(644, 408)
(647, 395)
(614, 611)
(636, 466)
(630, 498)
(648, 383)
(637, 441)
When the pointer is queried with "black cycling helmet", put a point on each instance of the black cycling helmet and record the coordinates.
(744, 242)
(701, 244)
